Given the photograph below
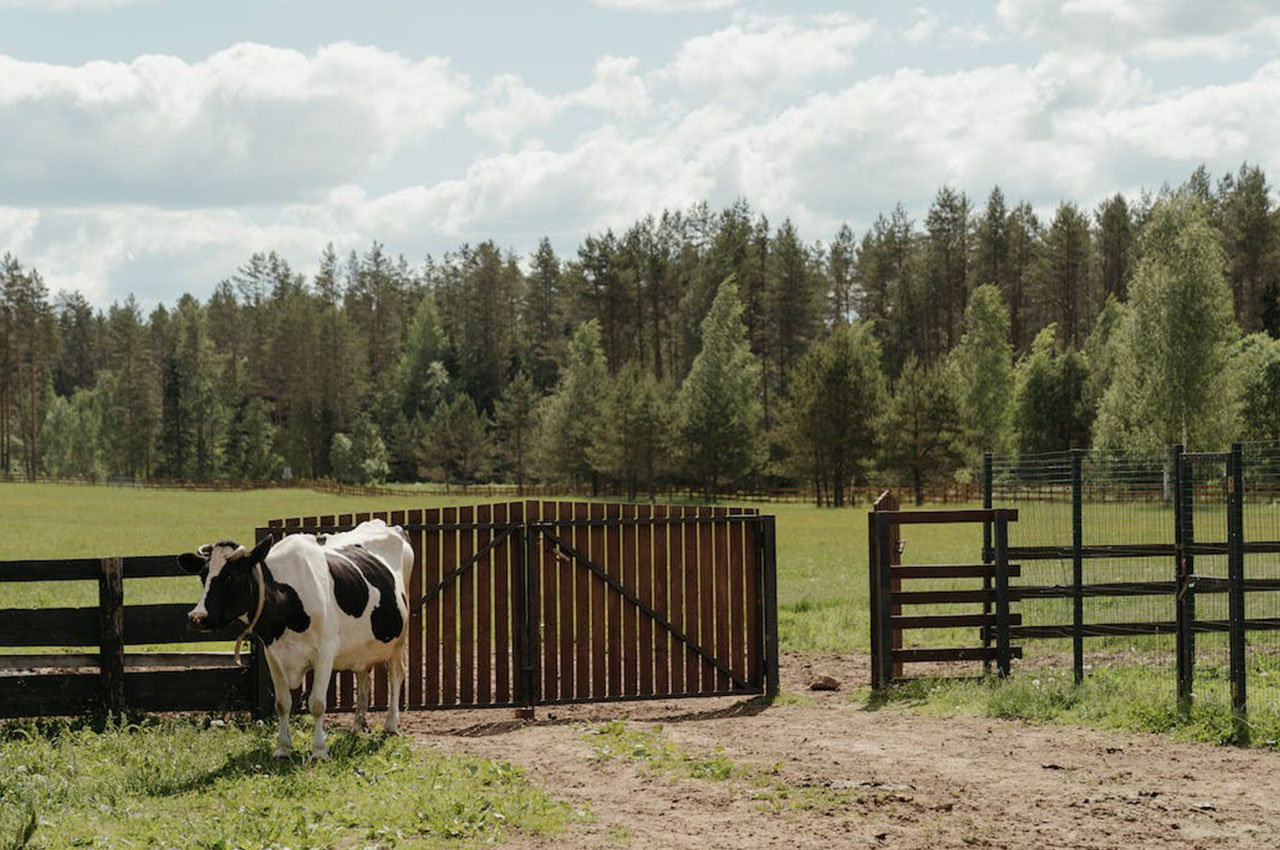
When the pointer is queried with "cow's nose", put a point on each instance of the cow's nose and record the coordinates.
(195, 618)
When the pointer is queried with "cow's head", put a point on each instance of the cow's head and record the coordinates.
(226, 571)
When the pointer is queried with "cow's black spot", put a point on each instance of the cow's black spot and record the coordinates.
(386, 619)
(283, 610)
(348, 584)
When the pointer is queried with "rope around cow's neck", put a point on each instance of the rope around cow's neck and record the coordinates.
(262, 598)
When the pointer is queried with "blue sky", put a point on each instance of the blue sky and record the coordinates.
(150, 146)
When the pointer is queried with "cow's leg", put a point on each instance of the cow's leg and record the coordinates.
(397, 668)
(321, 674)
(284, 704)
(364, 684)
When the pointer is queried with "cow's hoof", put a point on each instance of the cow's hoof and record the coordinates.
(282, 752)
(360, 725)
(390, 729)
(319, 755)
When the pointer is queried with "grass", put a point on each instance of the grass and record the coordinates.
(174, 783)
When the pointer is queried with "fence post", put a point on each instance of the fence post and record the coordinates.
(111, 630)
(873, 595)
(884, 586)
(1077, 564)
(1236, 598)
(1182, 581)
(1002, 594)
(770, 608)
(988, 556)
(528, 556)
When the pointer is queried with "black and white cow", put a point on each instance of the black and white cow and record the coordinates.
(334, 603)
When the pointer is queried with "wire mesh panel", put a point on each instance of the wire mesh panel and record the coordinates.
(1261, 515)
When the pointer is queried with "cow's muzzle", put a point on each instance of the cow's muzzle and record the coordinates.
(198, 621)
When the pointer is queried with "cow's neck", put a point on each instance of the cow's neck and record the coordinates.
(281, 609)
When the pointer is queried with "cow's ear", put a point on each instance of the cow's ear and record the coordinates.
(192, 562)
(260, 551)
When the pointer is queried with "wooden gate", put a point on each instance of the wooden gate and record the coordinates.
(542, 603)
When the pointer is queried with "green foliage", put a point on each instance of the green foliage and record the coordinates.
(831, 418)
(515, 415)
(421, 377)
(983, 368)
(71, 435)
(568, 416)
(1172, 381)
(1050, 407)
(632, 440)
(923, 440)
(219, 787)
(717, 411)
(1257, 362)
(251, 439)
(650, 747)
(360, 458)
(457, 446)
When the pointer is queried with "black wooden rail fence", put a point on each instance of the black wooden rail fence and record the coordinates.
(999, 625)
(63, 683)
(512, 605)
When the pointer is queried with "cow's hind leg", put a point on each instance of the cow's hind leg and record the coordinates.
(397, 669)
(319, 690)
(364, 684)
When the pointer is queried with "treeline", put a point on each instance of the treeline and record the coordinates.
(710, 349)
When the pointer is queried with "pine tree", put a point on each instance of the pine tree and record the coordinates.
(631, 443)
(923, 440)
(983, 367)
(1115, 242)
(567, 417)
(1050, 410)
(1064, 291)
(717, 411)
(515, 416)
(457, 447)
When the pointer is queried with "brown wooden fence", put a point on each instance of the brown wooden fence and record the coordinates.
(541, 602)
(98, 673)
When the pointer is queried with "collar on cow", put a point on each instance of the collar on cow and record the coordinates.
(262, 599)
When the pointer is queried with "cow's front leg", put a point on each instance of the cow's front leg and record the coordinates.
(319, 689)
(364, 684)
(284, 704)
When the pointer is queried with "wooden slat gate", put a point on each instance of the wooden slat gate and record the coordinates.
(541, 603)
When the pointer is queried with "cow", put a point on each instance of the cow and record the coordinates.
(335, 602)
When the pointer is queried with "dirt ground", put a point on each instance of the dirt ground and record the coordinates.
(898, 780)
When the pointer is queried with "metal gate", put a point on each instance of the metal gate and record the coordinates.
(540, 603)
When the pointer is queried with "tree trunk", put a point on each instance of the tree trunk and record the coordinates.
(918, 482)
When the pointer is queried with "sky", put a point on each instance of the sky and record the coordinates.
(151, 146)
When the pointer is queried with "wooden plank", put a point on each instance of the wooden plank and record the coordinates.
(613, 615)
(381, 687)
(644, 589)
(59, 569)
(943, 597)
(50, 695)
(484, 609)
(692, 608)
(751, 564)
(661, 571)
(547, 569)
(676, 580)
(949, 516)
(737, 613)
(598, 588)
(148, 566)
(189, 690)
(111, 630)
(502, 610)
(951, 621)
(720, 550)
(413, 682)
(522, 654)
(449, 610)
(706, 597)
(966, 653)
(582, 631)
(164, 623)
(431, 612)
(132, 660)
(630, 580)
(568, 628)
(951, 571)
(467, 609)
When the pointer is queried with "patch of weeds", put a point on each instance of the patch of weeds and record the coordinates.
(619, 833)
(161, 782)
(651, 748)
(792, 698)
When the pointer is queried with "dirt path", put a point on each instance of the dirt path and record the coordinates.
(882, 779)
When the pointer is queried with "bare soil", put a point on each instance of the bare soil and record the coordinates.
(884, 778)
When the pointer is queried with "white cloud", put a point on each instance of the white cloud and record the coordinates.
(924, 26)
(250, 124)
(1168, 29)
(757, 53)
(69, 5)
(667, 5)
